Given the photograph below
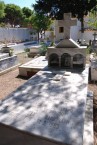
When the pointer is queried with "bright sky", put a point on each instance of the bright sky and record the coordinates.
(21, 3)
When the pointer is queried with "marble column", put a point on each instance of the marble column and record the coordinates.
(71, 61)
(48, 61)
(59, 61)
(84, 62)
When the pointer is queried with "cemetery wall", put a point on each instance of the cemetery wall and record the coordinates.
(74, 31)
(48, 34)
(19, 48)
(88, 35)
(14, 34)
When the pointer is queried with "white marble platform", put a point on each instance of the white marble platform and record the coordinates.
(34, 65)
(50, 109)
(4, 55)
(35, 48)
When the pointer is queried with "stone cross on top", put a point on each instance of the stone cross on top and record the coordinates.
(66, 24)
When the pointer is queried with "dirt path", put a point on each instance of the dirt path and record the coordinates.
(9, 82)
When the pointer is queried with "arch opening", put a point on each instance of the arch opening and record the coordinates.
(54, 60)
(66, 60)
(78, 61)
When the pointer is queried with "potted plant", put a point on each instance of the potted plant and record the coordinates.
(11, 51)
(27, 50)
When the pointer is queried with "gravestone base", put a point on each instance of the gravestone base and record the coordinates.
(10, 136)
(34, 50)
(4, 55)
(33, 66)
(8, 62)
(49, 108)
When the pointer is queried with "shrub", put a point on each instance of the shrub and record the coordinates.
(43, 49)
(27, 49)
(88, 50)
(11, 51)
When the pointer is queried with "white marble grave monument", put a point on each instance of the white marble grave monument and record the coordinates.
(7, 61)
(67, 53)
(50, 107)
(52, 110)
(62, 27)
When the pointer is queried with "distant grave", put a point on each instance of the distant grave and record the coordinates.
(94, 43)
(30, 68)
(3, 55)
(7, 59)
(34, 50)
(93, 59)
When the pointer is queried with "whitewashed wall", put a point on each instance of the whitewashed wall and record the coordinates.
(74, 31)
(19, 48)
(48, 34)
(14, 34)
(88, 35)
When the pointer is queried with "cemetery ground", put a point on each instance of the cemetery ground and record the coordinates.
(10, 81)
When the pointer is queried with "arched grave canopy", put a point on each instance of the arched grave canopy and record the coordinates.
(78, 60)
(54, 60)
(65, 60)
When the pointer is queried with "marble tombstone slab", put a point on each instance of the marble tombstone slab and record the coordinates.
(47, 108)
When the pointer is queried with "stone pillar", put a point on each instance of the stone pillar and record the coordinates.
(59, 61)
(48, 61)
(84, 61)
(71, 61)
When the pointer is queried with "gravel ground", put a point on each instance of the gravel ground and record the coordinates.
(11, 80)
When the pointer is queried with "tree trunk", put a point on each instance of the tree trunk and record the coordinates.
(38, 36)
(82, 29)
(44, 34)
(41, 34)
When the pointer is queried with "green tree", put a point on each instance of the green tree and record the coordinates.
(56, 8)
(13, 14)
(27, 12)
(93, 18)
(41, 23)
(2, 7)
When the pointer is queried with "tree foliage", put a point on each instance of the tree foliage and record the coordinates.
(93, 18)
(40, 22)
(2, 7)
(27, 12)
(13, 14)
(56, 8)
